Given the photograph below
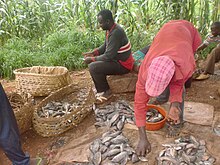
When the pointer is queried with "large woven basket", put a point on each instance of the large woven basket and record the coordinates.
(52, 126)
(41, 80)
(23, 110)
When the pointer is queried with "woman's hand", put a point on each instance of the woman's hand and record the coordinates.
(88, 54)
(144, 146)
(88, 60)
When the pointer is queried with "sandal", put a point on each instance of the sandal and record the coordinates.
(203, 76)
(103, 97)
(38, 161)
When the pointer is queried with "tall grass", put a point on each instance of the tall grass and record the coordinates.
(34, 19)
(58, 49)
(56, 32)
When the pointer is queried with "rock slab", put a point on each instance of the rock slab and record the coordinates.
(123, 83)
(198, 113)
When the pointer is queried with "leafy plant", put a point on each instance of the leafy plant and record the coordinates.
(49, 32)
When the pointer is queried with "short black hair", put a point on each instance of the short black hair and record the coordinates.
(106, 15)
(216, 24)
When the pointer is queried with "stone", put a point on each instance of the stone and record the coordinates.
(122, 83)
(198, 113)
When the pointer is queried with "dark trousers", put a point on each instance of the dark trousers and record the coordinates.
(99, 71)
(9, 133)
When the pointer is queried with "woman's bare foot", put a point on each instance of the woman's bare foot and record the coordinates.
(173, 130)
(173, 121)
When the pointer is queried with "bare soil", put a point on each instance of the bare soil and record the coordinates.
(200, 91)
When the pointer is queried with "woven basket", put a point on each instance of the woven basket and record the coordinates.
(23, 110)
(53, 126)
(41, 80)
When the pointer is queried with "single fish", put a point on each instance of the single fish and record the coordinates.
(120, 157)
(97, 159)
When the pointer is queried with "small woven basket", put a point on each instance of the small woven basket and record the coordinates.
(23, 110)
(52, 126)
(41, 80)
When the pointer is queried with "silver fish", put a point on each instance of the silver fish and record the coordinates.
(103, 149)
(120, 125)
(172, 160)
(194, 140)
(105, 134)
(113, 152)
(119, 158)
(94, 147)
(106, 139)
(97, 158)
(143, 159)
(115, 134)
(119, 139)
(134, 158)
(114, 119)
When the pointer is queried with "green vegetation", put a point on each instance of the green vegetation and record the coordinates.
(58, 49)
(56, 32)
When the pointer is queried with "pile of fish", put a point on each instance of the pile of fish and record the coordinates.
(111, 149)
(55, 109)
(114, 115)
(185, 151)
(153, 116)
(61, 108)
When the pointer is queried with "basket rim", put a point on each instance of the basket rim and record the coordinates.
(19, 71)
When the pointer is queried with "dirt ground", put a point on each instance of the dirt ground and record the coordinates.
(200, 91)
